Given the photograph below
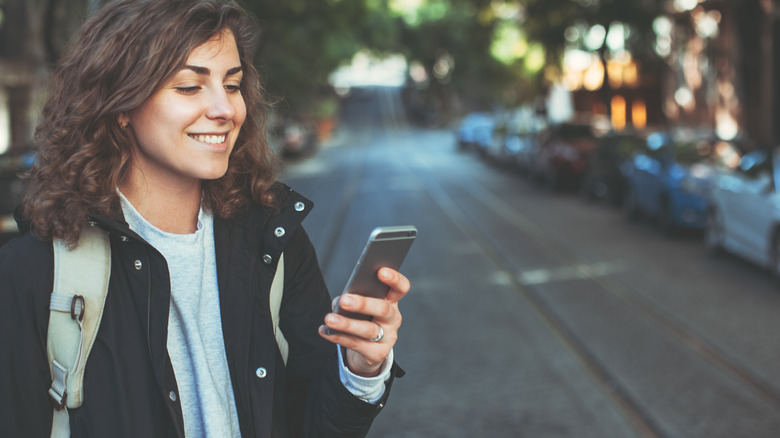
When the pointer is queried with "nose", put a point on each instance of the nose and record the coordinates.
(221, 105)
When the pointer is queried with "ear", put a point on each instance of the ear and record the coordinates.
(123, 120)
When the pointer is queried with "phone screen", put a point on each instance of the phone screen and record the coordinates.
(386, 247)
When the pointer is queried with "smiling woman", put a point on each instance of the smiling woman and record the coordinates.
(110, 75)
(153, 137)
(185, 133)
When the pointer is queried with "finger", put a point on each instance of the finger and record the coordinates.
(359, 338)
(360, 329)
(377, 308)
(399, 284)
(371, 354)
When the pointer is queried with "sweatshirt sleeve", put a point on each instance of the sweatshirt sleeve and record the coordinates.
(368, 389)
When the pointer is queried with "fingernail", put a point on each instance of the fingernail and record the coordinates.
(331, 318)
(385, 274)
(347, 300)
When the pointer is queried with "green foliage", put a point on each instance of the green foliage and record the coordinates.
(548, 21)
(302, 42)
(455, 40)
(461, 34)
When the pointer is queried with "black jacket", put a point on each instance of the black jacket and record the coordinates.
(129, 385)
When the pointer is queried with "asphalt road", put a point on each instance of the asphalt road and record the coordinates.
(539, 315)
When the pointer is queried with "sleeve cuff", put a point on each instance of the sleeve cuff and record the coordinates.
(368, 389)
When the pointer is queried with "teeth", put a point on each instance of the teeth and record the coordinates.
(211, 139)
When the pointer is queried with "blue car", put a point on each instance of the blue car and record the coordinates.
(671, 179)
(475, 131)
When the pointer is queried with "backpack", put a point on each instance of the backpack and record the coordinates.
(75, 311)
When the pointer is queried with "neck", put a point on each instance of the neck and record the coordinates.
(169, 208)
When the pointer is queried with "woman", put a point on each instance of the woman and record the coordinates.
(153, 131)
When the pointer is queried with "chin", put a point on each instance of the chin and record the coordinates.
(214, 174)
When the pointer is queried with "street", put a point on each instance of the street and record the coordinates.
(535, 314)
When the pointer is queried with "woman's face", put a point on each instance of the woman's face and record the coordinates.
(186, 130)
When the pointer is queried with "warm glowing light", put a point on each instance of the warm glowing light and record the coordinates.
(593, 77)
(618, 113)
(639, 114)
(614, 74)
(572, 79)
(684, 97)
(631, 74)
(577, 59)
(622, 70)
(725, 124)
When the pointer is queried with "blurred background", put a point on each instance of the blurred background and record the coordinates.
(706, 65)
(594, 182)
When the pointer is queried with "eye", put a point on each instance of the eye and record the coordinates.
(233, 88)
(188, 90)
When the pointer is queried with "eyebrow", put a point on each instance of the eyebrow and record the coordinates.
(207, 72)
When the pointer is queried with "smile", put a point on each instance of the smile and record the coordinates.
(210, 139)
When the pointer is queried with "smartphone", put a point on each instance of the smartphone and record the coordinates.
(386, 247)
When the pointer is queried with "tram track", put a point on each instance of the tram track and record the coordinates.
(624, 292)
(640, 419)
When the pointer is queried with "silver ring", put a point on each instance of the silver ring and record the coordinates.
(381, 334)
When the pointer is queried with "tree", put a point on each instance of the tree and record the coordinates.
(302, 42)
(452, 41)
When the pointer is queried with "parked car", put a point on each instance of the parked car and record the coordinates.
(520, 140)
(485, 137)
(11, 188)
(744, 215)
(476, 128)
(563, 155)
(671, 179)
(605, 177)
(501, 150)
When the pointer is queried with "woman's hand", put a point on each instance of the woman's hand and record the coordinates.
(365, 354)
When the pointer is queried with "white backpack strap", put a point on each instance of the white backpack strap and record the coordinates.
(275, 302)
(76, 308)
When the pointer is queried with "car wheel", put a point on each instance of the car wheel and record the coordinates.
(630, 205)
(713, 233)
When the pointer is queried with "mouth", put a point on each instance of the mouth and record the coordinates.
(209, 138)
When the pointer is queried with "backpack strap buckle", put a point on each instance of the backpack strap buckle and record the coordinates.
(58, 393)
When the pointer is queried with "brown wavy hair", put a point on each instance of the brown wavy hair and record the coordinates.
(118, 59)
